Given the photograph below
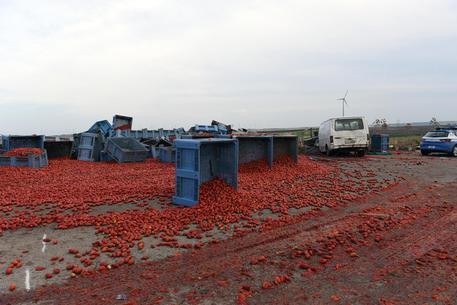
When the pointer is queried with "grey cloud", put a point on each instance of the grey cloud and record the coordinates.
(252, 63)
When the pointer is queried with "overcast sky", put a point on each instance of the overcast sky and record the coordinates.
(66, 64)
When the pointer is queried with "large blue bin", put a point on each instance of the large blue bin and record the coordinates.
(12, 142)
(125, 149)
(206, 128)
(122, 122)
(35, 161)
(101, 126)
(380, 142)
(253, 148)
(201, 160)
(86, 151)
(286, 145)
(167, 154)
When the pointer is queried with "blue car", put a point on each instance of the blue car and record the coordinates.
(440, 140)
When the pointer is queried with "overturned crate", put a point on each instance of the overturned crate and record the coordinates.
(86, 147)
(33, 141)
(122, 122)
(201, 160)
(269, 148)
(167, 154)
(154, 146)
(104, 127)
(89, 146)
(153, 152)
(125, 149)
(253, 148)
(285, 146)
(32, 160)
(58, 149)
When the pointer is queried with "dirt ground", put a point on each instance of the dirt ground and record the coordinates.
(394, 245)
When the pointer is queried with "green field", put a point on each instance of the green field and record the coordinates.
(405, 142)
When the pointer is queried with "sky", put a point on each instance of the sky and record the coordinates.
(254, 64)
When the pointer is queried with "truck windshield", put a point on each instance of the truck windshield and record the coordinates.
(437, 134)
(348, 124)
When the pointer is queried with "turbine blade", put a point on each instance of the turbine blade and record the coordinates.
(346, 93)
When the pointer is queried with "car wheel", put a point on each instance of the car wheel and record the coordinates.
(425, 153)
(454, 151)
(360, 153)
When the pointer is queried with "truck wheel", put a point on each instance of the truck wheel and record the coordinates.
(361, 153)
(425, 152)
(328, 152)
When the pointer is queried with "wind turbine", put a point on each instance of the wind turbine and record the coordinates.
(343, 100)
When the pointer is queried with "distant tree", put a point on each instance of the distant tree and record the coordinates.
(434, 122)
(380, 123)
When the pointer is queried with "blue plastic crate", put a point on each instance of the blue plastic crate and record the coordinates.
(87, 139)
(104, 156)
(12, 142)
(201, 160)
(153, 152)
(101, 126)
(179, 131)
(58, 149)
(122, 122)
(285, 146)
(86, 154)
(122, 133)
(252, 148)
(126, 149)
(167, 133)
(167, 154)
(137, 134)
(206, 128)
(86, 151)
(35, 161)
(380, 142)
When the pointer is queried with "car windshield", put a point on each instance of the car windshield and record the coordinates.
(437, 134)
(348, 124)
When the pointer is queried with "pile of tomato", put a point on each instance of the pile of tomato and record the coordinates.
(68, 191)
(23, 152)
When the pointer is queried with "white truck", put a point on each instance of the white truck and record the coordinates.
(344, 134)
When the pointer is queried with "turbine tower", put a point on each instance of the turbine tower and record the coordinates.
(343, 100)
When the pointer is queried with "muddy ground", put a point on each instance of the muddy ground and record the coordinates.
(395, 246)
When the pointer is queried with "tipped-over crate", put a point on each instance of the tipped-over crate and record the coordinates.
(125, 149)
(12, 142)
(167, 154)
(252, 148)
(103, 127)
(201, 160)
(285, 146)
(86, 147)
(33, 160)
(58, 149)
(122, 122)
